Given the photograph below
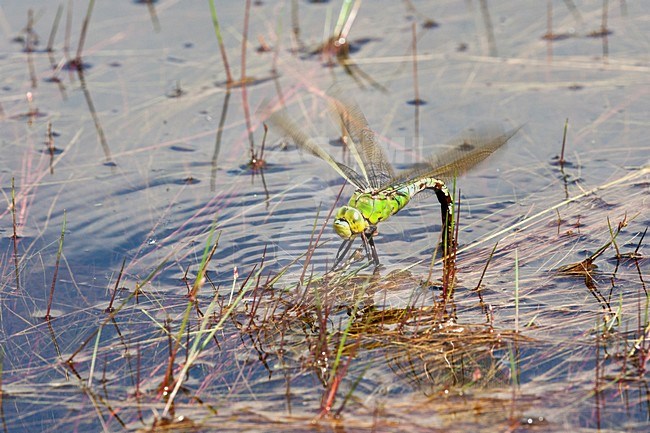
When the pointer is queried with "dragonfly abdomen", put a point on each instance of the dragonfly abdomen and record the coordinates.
(401, 194)
(379, 206)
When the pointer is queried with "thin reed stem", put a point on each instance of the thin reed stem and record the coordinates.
(222, 47)
(84, 31)
(566, 127)
(68, 31)
(516, 291)
(2, 411)
(15, 232)
(243, 80)
(55, 27)
(416, 87)
(109, 309)
(56, 268)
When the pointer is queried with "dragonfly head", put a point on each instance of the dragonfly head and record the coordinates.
(349, 222)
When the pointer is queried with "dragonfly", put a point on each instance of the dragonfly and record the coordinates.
(380, 192)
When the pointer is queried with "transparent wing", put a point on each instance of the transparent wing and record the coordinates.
(362, 142)
(463, 153)
(304, 141)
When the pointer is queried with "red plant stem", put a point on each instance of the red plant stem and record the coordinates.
(168, 381)
(449, 261)
(109, 309)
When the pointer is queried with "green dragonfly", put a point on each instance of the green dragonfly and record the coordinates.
(380, 192)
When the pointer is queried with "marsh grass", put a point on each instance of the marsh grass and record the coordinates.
(272, 347)
(346, 346)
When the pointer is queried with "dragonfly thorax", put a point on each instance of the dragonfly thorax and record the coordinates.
(349, 222)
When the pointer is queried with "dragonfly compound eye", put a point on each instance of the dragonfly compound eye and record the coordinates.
(342, 228)
(355, 219)
(349, 222)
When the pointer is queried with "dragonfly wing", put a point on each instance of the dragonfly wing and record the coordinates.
(463, 153)
(307, 143)
(362, 140)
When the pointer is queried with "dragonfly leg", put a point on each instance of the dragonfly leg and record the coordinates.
(342, 252)
(447, 213)
(375, 257)
(368, 241)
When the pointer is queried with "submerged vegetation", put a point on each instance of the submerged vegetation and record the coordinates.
(136, 296)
